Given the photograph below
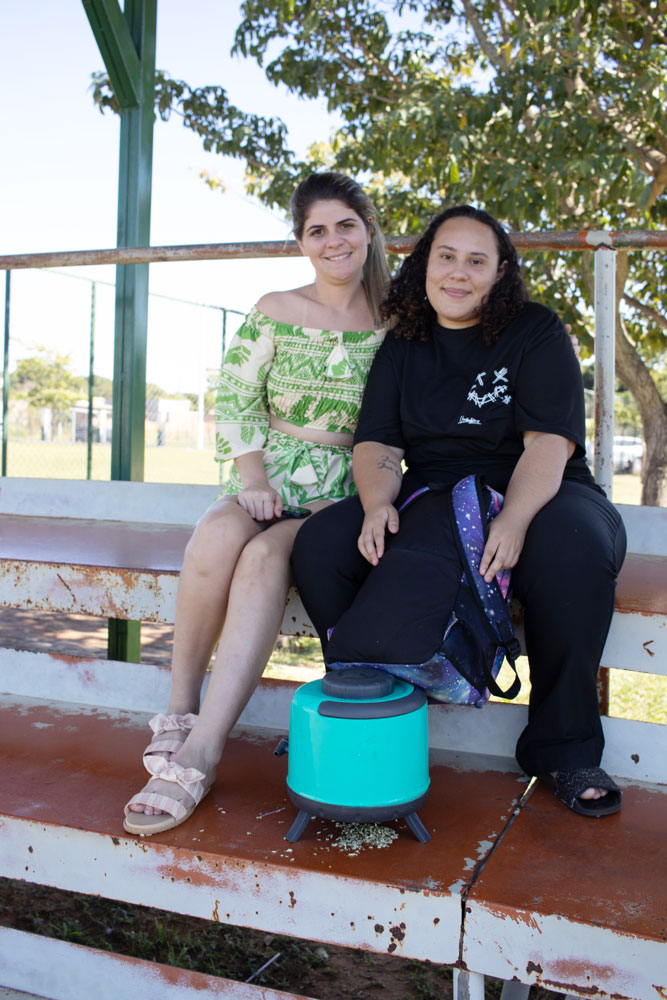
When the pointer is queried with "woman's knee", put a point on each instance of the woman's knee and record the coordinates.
(579, 527)
(265, 553)
(572, 555)
(220, 535)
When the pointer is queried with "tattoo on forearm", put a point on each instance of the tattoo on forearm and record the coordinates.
(387, 462)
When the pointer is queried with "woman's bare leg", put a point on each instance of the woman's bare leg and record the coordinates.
(255, 612)
(255, 609)
(203, 591)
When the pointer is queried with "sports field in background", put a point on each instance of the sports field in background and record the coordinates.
(56, 460)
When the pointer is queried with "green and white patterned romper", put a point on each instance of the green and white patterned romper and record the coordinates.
(312, 378)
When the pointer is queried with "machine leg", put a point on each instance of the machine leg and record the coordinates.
(417, 827)
(298, 826)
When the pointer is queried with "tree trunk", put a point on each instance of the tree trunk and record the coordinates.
(652, 408)
(653, 412)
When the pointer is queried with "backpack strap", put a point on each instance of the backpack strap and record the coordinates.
(413, 496)
(468, 506)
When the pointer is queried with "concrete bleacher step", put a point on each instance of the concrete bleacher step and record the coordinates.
(512, 884)
(6, 994)
(73, 770)
(74, 972)
(585, 898)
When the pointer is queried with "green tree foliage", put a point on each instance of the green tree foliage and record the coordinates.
(222, 127)
(101, 386)
(552, 114)
(47, 382)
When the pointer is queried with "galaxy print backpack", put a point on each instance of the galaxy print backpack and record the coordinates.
(479, 634)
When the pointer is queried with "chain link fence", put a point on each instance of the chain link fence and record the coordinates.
(58, 372)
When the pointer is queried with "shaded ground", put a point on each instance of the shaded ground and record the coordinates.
(76, 635)
(310, 969)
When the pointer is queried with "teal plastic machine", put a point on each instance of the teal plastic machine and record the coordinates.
(358, 750)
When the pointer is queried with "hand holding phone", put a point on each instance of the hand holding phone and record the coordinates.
(294, 512)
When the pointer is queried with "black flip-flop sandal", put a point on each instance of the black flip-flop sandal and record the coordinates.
(568, 786)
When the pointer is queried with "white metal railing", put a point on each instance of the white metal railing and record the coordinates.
(604, 296)
(604, 244)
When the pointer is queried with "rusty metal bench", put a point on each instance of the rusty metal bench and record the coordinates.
(512, 884)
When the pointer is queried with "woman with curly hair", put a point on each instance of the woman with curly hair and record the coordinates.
(475, 379)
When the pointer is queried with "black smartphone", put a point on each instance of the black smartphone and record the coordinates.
(289, 511)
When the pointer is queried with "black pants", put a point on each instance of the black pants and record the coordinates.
(565, 578)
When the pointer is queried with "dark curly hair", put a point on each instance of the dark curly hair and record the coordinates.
(410, 313)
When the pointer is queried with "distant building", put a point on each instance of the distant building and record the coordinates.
(101, 420)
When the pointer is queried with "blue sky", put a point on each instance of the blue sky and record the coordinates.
(58, 183)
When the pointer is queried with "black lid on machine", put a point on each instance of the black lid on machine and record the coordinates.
(357, 683)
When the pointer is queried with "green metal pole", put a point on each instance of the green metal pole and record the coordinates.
(91, 384)
(5, 371)
(134, 208)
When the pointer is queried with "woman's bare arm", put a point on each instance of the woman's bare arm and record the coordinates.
(536, 480)
(378, 477)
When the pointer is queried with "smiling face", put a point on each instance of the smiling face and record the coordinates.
(335, 239)
(462, 267)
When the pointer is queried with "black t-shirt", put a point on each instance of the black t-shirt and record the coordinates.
(456, 407)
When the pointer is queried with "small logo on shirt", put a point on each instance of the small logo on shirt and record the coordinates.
(469, 420)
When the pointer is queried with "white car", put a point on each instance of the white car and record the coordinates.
(627, 454)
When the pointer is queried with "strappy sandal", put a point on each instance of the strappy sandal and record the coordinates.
(568, 785)
(169, 734)
(173, 812)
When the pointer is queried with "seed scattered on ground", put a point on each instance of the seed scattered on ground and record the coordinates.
(354, 837)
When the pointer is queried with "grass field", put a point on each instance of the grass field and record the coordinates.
(68, 461)
(57, 460)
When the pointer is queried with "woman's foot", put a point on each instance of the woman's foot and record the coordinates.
(176, 787)
(588, 791)
(169, 734)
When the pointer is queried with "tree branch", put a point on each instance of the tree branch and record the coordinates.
(379, 65)
(511, 9)
(654, 29)
(648, 311)
(495, 57)
(652, 159)
(658, 186)
(362, 88)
